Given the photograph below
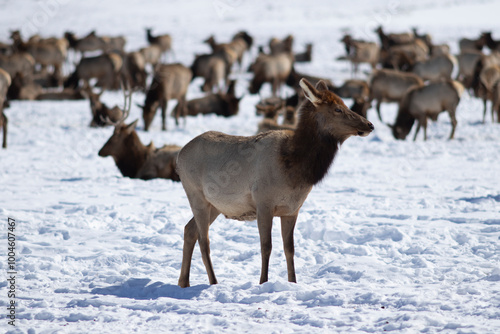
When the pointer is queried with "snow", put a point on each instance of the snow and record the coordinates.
(401, 236)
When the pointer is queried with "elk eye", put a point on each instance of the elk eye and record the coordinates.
(338, 110)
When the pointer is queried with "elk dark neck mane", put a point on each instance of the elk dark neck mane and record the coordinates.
(130, 161)
(308, 154)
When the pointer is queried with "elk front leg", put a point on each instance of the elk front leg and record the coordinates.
(5, 120)
(287, 228)
(453, 123)
(265, 224)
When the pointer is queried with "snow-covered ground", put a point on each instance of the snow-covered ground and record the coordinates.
(401, 236)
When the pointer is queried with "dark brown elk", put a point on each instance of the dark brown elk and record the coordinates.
(222, 104)
(103, 115)
(4, 86)
(305, 56)
(163, 41)
(273, 69)
(389, 40)
(390, 86)
(105, 68)
(435, 68)
(46, 53)
(213, 68)
(492, 44)
(421, 103)
(263, 176)
(137, 161)
(169, 82)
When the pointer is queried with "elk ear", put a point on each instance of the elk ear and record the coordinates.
(321, 85)
(139, 105)
(309, 92)
(131, 127)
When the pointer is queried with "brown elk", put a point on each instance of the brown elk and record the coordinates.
(390, 86)
(389, 40)
(51, 52)
(105, 68)
(359, 52)
(163, 41)
(151, 54)
(354, 89)
(65, 94)
(136, 160)
(103, 115)
(169, 82)
(274, 69)
(263, 176)
(133, 70)
(213, 68)
(89, 43)
(467, 62)
(23, 88)
(222, 104)
(4, 86)
(294, 77)
(423, 102)
(467, 44)
(403, 56)
(270, 121)
(281, 46)
(23, 63)
(435, 68)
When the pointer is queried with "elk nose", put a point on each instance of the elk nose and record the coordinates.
(371, 126)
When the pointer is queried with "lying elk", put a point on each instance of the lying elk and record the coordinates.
(137, 161)
(270, 121)
(305, 56)
(424, 102)
(390, 86)
(273, 69)
(222, 104)
(263, 176)
(4, 86)
(102, 115)
(169, 82)
(105, 68)
(435, 68)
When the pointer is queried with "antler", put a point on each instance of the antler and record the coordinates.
(127, 103)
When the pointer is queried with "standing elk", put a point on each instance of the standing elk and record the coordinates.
(169, 82)
(136, 161)
(151, 54)
(389, 40)
(294, 77)
(390, 86)
(23, 63)
(359, 52)
(435, 68)
(274, 69)
(466, 44)
(421, 103)
(4, 86)
(263, 176)
(88, 43)
(105, 68)
(213, 68)
(133, 70)
(163, 41)
(23, 88)
(50, 52)
(281, 46)
(222, 104)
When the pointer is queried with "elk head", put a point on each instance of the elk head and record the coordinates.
(333, 118)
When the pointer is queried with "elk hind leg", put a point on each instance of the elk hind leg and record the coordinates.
(287, 228)
(4, 125)
(265, 224)
(164, 114)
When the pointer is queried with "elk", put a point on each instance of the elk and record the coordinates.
(151, 54)
(293, 80)
(281, 46)
(263, 176)
(213, 68)
(435, 68)
(270, 121)
(65, 94)
(23, 88)
(163, 41)
(169, 82)
(50, 52)
(102, 115)
(467, 62)
(224, 50)
(390, 86)
(355, 89)
(4, 86)
(467, 44)
(222, 104)
(389, 40)
(23, 63)
(305, 56)
(495, 103)
(134, 70)
(422, 102)
(133, 159)
(105, 68)
(274, 69)
(359, 52)
(405, 55)
(88, 43)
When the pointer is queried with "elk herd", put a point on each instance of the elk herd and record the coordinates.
(271, 173)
